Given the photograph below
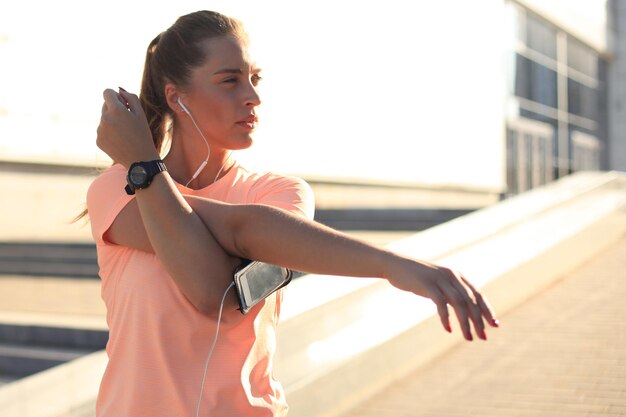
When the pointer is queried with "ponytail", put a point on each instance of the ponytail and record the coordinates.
(152, 96)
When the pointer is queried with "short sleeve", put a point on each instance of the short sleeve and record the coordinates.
(288, 193)
(105, 200)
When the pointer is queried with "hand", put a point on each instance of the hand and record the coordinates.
(123, 133)
(445, 287)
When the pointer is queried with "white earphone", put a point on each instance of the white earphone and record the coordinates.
(185, 109)
(206, 160)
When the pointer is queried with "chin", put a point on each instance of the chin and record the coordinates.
(242, 143)
(248, 141)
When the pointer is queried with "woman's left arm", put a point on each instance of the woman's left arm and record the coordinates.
(272, 235)
(276, 236)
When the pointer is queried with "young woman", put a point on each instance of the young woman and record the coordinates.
(170, 234)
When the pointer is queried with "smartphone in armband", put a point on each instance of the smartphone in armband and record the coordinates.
(255, 280)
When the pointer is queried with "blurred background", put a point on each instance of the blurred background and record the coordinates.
(401, 115)
(409, 93)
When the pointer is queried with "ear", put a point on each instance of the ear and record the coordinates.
(172, 94)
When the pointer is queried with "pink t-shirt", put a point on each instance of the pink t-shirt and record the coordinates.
(158, 341)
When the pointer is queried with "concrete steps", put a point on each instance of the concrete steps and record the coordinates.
(390, 219)
(21, 360)
(47, 321)
(26, 349)
(52, 336)
(48, 259)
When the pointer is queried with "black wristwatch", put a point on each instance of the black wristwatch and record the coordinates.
(140, 174)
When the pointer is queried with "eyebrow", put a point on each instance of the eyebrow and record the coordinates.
(235, 71)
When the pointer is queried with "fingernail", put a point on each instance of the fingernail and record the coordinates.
(448, 328)
(496, 323)
(470, 338)
(483, 335)
(126, 103)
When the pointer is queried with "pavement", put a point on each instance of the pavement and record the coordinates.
(562, 353)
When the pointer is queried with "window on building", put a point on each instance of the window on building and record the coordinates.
(535, 82)
(582, 100)
(559, 81)
(529, 155)
(541, 37)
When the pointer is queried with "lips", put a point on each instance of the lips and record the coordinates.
(249, 122)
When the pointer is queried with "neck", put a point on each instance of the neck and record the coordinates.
(189, 166)
(209, 172)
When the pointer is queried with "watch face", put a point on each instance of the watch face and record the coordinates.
(138, 175)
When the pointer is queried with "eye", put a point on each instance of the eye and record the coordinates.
(255, 79)
(230, 80)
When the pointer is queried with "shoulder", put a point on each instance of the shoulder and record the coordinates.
(263, 182)
(107, 181)
(106, 198)
(273, 181)
(284, 191)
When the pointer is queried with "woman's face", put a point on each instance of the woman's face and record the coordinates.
(222, 95)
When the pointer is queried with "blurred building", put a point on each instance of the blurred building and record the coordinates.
(499, 96)
(564, 91)
(495, 97)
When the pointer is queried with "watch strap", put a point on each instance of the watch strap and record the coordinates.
(155, 167)
(129, 190)
(152, 168)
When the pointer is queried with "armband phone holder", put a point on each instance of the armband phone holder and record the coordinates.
(255, 280)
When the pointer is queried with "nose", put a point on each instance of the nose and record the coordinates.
(252, 97)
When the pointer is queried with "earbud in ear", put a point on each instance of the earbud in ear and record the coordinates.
(180, 102)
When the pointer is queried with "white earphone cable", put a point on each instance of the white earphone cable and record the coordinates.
(208, 148)
(206, 160)
(206, 364)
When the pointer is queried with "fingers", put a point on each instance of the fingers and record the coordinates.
(112, 99)
(483, 305)
(442, 309)
(477, 319)
(122, 100)
(131, 101)
(473, 309)
(461, 304)
(469, 305)
(112, 104)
